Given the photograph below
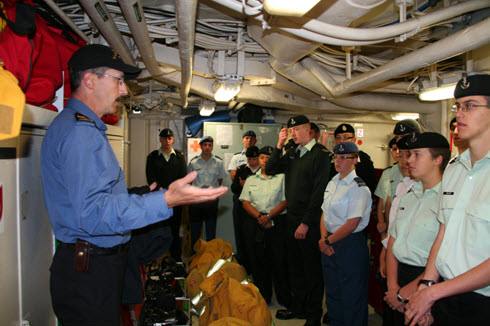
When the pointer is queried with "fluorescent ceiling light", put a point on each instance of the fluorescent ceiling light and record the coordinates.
(403, 116)
(438, 93)
(294, 8)
(206, 108)
(226, 90)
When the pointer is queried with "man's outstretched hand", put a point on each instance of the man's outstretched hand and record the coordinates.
(180, 192)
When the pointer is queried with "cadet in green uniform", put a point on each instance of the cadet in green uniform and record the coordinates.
(164, 166)
(306, 169)
(461, 252)
(415, 226)
(264, 227)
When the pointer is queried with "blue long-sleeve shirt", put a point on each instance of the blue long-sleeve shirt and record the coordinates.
(83, 185)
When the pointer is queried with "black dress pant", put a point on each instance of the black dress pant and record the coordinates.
(305, 270)
(406, 274)
(87, 299)
(466, 309)
(176, 246)
(265, 252)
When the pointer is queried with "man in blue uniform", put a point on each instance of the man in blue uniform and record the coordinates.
(306, 169)
(90, 210)
(210, 173)
(164, 166)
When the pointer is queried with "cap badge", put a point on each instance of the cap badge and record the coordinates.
(115, 55)
(293, 122)
(341, 148)
(413, 139)
(465, 84)
(344, 128)
(402, 127)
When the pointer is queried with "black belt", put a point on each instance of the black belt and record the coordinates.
(101, 251)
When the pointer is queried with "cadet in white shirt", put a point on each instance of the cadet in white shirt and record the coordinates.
(345, 258)
(461, 252)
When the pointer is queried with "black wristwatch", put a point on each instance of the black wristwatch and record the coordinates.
(400, 298)
(427, 282)
(327, 242)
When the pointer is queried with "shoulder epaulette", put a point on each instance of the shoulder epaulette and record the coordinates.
(241, 166)
(387, 168)
(195, 158)
(455, 159)
(218, 157)
(325, 150)
(237, 153)
(366, 155)
(81, 117)
(360, 182)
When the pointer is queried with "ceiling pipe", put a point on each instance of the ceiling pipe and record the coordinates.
(67, 20)
(186, 26)
(463, 41)
(414, 24)
(133, 12)
(108, 28)
(381, 102)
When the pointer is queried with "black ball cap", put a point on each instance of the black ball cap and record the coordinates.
(98, 55)
(427, 140)
(406, 126)
(166, 133)
(266, 150)
(252, 151)
(473, 85)
(345, 127)
(297, 120)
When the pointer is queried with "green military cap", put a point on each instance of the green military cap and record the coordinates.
(344, 127)
(427, 140)
(297, 120)
(474, 85)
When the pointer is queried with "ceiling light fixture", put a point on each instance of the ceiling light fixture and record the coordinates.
(206, 108)
(440, 93)
(227, 88)
(293, 8)
(403, 116)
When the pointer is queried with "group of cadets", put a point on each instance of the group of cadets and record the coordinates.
(299, 212)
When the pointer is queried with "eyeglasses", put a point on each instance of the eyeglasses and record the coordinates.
(120, 80)
(342, 157)
(466, 107)
(343, 137)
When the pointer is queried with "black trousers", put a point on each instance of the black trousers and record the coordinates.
(406, 274)
(87, 299)
(176, 246)
(266, 253)
(305, 270)
(466, 309)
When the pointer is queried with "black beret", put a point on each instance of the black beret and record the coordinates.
(250, 133)
(98, 55)
(427, 140)
(392, 142)
(314, 126)
(266, 150)
(402, 143)
(345, 148)
(252, 151)
(206, 139)
(406, 126)
(345, 127)
(166, 133)
(477, 84)
(297, 120)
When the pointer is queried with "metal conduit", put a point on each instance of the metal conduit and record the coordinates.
(133, 12)
(186, 20)
(465, 40)
(101, 17)
(67, 20)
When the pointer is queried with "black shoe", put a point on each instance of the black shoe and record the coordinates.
(313, 322)
(326, 319)
(285, 314)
